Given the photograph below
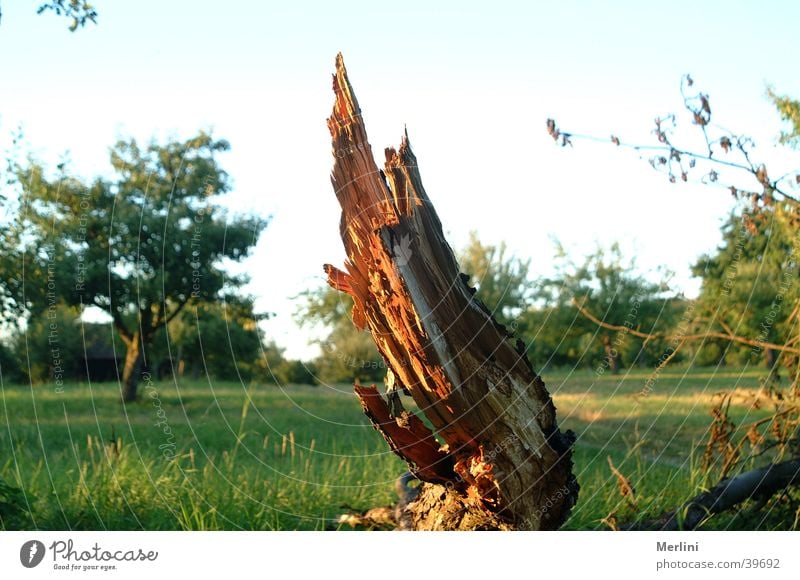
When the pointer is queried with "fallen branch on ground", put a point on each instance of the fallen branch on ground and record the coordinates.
(758, 484)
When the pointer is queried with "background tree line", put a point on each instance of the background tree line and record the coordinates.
(760, 248)
(149, 246)
(132, 253)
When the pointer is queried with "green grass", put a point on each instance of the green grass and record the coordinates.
(207, 457)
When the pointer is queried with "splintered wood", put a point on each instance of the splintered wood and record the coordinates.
(496, 448)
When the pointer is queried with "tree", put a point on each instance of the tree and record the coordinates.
(279, 370)
(346, 353)
(495, 458)
(761, 240)
(140, 245)
(47, 356)
(611, 288)
(79, 12)
(12, 302)
(217, 339)
(12, 249)
(10, 280)
(501, 281)
(749, 284)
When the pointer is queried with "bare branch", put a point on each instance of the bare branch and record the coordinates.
(684, 337)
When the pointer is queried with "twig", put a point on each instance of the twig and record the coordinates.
(684, 337)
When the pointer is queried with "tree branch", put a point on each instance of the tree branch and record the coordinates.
(124, 333)
(684, 337)
(163, 321)
(756, 484)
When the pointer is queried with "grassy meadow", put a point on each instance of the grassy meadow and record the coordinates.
(207, 456)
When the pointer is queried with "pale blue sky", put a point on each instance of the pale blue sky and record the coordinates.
(474, 83)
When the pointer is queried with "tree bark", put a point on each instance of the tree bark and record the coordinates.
(130, 372)
(496, 458)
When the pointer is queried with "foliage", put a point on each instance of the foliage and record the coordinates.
(51, 346)
(789, 110)
(9, 365)
(347, 354)
(220, 340)
(277, 369)
(140, 245)
(79, 11)
(502, 281)
(612, 290)
(750, 293)
(750, 284)
(13, 506)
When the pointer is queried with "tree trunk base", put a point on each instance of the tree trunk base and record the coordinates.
(439, 508)
(428, 507)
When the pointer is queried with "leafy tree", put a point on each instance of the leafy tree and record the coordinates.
(215, 339)
(750, 284)
(549, 334)
(347, 354)
(51, 346)
(140, 245)
(612, 290)
(12, 250)
(10, 279)
(79, 12)
(789, 110)
(501, 281)
(277, 369)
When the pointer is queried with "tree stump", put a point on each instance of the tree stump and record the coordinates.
(495, 458)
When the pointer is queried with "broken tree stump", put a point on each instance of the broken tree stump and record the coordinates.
(496, 458)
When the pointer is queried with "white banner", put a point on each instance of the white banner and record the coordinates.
(387, 555)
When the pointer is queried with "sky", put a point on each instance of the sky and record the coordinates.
(473, 82)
